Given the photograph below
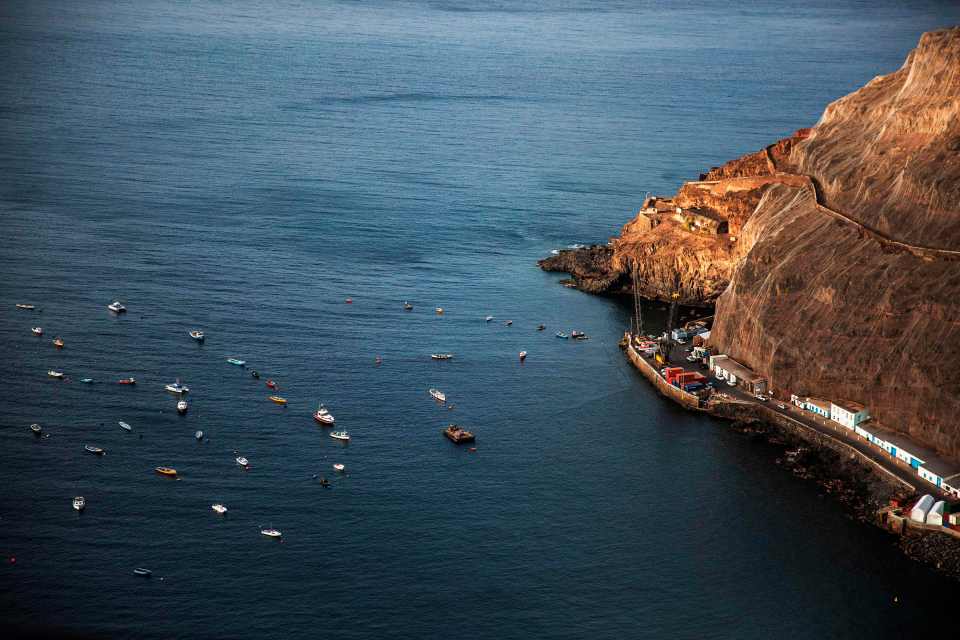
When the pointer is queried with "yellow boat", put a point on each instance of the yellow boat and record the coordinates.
(278, 399)
(166, 471)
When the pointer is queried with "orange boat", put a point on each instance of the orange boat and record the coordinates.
(166, 471)
(278, 400)
(58, 342)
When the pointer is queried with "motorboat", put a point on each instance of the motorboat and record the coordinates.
(170, 472)
(458, 434)
(340, 435)
(237, 362)
(182, 407)
(26, 307)
(58, 342)
(79, 503)
(219, 508)
(378, 360)
(561, 334)
(86, 380)
(578, 335)
(37, 429)
(197, 335)
(441, 356)
(143, 573)
(323, 415)
(541, 327)
(37, 331)
(407, 306)
(438, 395)
(272, 385)
(97, 451)
(243, 462)
(523, 356)
(271, 533)
(348, 301)
(125, 426)
(177, 387)
(127, 381)
(255, 374)
(439, 311)
(198, 435)
(55, 374)
(324, 483)
(116, 307)
(508, 323)
(339, 467)
(278, 400)
(488, 318)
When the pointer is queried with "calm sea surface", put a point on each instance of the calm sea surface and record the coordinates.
(243, 168)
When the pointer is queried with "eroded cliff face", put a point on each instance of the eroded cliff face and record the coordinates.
(840, 276)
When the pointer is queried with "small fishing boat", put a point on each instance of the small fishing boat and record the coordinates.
(324, 483)
(143, 573)
(348, 301)
(125, 426)
(97, 451)
(439, 311)
(169, 472)
(37, 429)
(340, 435)
(407, 306)
(243, 462)
(182, 407)
(541, 327)
(237, 362)
(339, 467)
(509, 323)
(458, 434)
(197, 335)
(198, 435)
(79, 503)
(58, 342)
(561, 334)
(255, 374)
(177, 387)
(37, 331)
(438, 395)
(55, 374)
(219, 508)
(116, 307)
(86, 380)
(578, 335)
(378, 360)
(489, 318)
(523, 356)
(272, 385)
(441, 356)
(127, 381)
(26, 307)
(278, 400)
(271, 533)
(323, 415)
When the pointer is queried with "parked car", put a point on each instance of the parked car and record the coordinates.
(781, 406)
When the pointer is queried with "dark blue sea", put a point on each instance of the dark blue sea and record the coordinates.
(243, 168)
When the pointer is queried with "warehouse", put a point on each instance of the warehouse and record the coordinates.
(726, 368)
(920, 510)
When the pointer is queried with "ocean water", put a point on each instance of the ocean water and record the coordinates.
(244, 168)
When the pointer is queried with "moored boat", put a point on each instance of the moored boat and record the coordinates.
(58, 342)
(272, 385)
(439, 311)
(243, 462)
(541, 327)
(340, 435)
(55, 374)
(97, 451)
(79, 503)
(508, 323)
(197, 335)
(37, 331)
(182, 407)
(127, 381)
(561, 334)
(441, 356)
(36, 429)
(116, 307)
(143, 573)
(219, 508)
(278, 400)
(255, 374)
(198, 435)
(407, 306)
(86, 380)
(236, 361)
(438, 395)
(169, 472)
(323, 415)
(458, 434)
(177, 387)
(271, 532)
(523, 356)
(125, 426)
(489, 318)
(339, 467)
(26, 307)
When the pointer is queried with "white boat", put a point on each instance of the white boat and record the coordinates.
(236, 361)
(438, 395)
(243, 462)
(523, 356)
(219, 508)
(116, 307)
(441, 356)
(140, 571)
(55, 374)
(97, 451)
(125, 426)
(339, 467)
(197, 335)
(340, 435)
(79, 503)
(555, 252)
(439, 311)
(323, 416)
(182, 407)
(488, 318)
(198, 435)
(37, 331)
(271, 532)
(37, 429)
(177, 387)
(27, 307)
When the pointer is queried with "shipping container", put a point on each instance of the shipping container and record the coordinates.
(693, 386)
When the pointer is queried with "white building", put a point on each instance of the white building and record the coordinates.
(935, 515)
(849, 414)
(920, 510)
(929, 476)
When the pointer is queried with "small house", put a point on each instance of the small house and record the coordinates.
(849, 414)
(817, 406)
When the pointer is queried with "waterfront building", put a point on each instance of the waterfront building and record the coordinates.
(817, 406)
(700, 220)
(726, 368)
(930, 476)
(849, 414)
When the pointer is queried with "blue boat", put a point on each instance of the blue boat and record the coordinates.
(561, 334)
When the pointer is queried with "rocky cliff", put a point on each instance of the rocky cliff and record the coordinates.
(840, 274)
